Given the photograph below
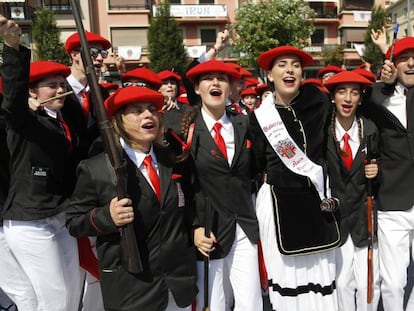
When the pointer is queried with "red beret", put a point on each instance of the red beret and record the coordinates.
(366, 74)
(73, 42)
(347, 77)
(248, 91)
(251, 82)
(261, 88)
(406, 43)
(166, 74)
(110, 85)
(318, 84)
(266, 58)
(329, 68)
(243, 72)
(144, 74)
(42, 69)
(212, 66)
(131, 95)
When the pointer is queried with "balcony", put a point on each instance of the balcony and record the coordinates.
(21, 13)
(326, 13)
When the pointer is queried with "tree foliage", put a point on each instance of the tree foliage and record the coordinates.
(267, 24)
(46, 37)
(165, 42)
(372, 53)
(333, 56)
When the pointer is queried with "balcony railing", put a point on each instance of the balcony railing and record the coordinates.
(332, 13)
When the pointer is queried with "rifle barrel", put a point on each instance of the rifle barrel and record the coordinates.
(130, 256)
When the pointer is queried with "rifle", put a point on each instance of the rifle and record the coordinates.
(370, 225)
(130, 256)
(207, 231)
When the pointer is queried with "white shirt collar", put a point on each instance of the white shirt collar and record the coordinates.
(77, 87)
(137, 156)
(224, 120)
(399, 89)
(352, 132)
(50, 113)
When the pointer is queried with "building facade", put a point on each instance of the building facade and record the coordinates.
(125, 23)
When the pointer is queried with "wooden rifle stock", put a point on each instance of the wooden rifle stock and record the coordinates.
(207, 231)
(370, 227)
(370, 250)
(131, 259)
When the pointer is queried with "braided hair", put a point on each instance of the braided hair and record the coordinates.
(333, 131)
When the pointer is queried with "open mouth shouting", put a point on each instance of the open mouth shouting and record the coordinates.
(347, 108)
(216, 92)
(289, 81)
(149, 127)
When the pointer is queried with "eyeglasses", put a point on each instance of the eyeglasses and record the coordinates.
(140, 84)
(95, 52)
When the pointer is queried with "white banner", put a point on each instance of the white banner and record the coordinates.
(360, 48)
(130, 52)
(362, 16)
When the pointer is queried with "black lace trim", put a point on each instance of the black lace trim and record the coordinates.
(303, 289)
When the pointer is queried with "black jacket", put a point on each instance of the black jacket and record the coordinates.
(162, 231)
(41, 166)
(228, 188)
(397, 150)
(351, 186)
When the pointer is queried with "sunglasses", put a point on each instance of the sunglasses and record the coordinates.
(94, 52)
(140, 84)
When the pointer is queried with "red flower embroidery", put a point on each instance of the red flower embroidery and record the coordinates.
(176, 176)
(215, 154)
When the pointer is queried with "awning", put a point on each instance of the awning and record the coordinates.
(354, 35)
(322, 1)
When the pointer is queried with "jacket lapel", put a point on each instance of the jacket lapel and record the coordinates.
(410, 109)
(165, 169)
(240, 129)
(208, 142)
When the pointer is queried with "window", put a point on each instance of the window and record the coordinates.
(57, 6)
(318, 37)
(357, 5)
(317, 7)
(128, 4)
(129, 37)
(205, 1)
(208, 37)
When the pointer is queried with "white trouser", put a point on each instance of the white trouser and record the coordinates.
(13, 280)
(234, 278)
(352, 274)
(172, 306)
(395, 235)
(92, 296)
(48, 255)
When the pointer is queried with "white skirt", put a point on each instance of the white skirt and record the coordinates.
(302, 283)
